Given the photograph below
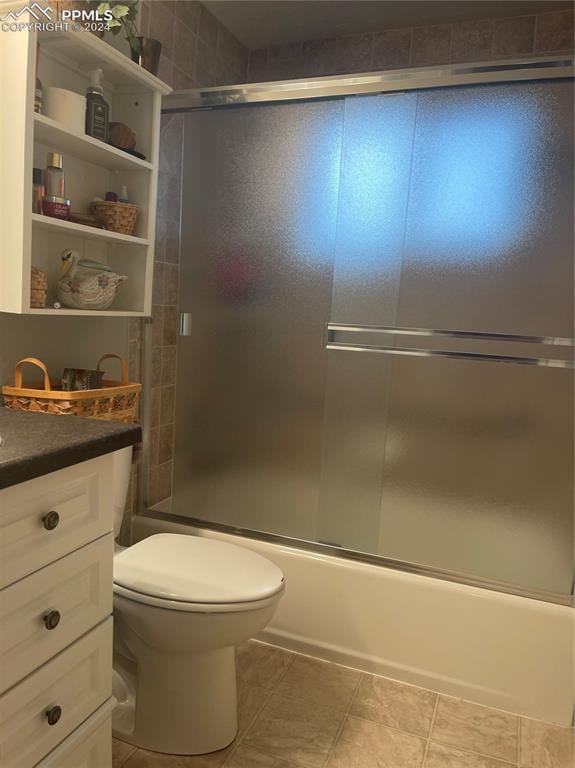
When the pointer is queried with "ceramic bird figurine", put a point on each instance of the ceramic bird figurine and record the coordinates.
(87, 284)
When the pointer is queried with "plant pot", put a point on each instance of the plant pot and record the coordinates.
(149, 54)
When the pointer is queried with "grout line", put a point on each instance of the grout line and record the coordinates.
(344, 718)
(431, 726)
(239, 739)
(502, 760)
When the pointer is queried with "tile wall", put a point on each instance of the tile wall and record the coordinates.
(498, 38)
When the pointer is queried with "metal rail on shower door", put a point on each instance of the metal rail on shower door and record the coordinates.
(333, 342)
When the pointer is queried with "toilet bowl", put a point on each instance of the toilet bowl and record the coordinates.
(181, 605)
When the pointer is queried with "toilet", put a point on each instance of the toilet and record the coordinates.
(181, 605)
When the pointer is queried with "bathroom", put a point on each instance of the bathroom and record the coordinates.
(336, 526)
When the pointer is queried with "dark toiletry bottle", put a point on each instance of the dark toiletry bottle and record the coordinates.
(97, 109)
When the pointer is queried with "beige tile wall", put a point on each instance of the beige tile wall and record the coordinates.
(545, 33)
(199, 51)
(196, 49)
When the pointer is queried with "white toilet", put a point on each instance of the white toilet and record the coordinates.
(181, 605)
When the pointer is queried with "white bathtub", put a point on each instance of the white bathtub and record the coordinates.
(509, 652)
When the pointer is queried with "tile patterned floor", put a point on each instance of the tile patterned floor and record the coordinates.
(298, 712)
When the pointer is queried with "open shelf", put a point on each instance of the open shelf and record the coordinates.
(84, 147)
(86, 51)
(81, 230)
(86, 312)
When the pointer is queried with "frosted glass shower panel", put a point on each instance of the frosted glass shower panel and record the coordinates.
(258, 227)
(489, 238)
(373, 196)
(478, 473)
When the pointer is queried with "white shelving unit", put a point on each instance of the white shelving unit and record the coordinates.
(91, 167)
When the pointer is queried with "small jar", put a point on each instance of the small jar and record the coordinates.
(54, 175)
(56, 207)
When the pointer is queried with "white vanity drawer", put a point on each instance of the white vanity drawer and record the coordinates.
(77, 681)
(47, 611)
(48, 517)
(89, 746)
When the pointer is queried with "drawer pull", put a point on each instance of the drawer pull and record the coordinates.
(53, 715)
(52, 619)
(51, 521)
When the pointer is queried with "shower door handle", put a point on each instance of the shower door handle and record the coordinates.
(185, 324)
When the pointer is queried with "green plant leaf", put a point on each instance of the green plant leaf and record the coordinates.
(115, 23)
(118, 11)
(102, 8)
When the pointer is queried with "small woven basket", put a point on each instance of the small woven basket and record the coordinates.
(114, 401)
(116, 217)
(38, 288)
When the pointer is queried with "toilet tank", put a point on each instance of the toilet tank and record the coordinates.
(122, 461)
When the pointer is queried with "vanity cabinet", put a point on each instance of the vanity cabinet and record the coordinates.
(56, 592)
(91, 167)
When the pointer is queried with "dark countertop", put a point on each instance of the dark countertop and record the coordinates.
(35, 444)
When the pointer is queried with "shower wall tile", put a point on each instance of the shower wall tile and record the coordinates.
(165, 443)
(431, 45)
(354, 53)
(286, 61)
(188, 13)
(170, 335)
(196, 48)
(554, 31)
(319, 56)
(168, 373)
(185, 47)
(258, 65)
(391, 49)
(471, 41)
(480, 40)
(159, 482)
(513, 37)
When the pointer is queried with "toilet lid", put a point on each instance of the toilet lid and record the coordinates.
(196, 570)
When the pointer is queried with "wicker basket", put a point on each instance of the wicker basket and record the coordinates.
(115, 401)
(38, 288)
(116, 217)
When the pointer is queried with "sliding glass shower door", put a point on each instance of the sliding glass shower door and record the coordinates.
(381, 293)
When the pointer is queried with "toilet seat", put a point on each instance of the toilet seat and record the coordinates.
(195, 574)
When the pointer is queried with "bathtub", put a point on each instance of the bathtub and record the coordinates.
(505, 651)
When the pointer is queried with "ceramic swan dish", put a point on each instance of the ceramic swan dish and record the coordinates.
(87, 284)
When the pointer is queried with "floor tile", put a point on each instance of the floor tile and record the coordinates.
(250, 700)
(439, 756)
(368, 745)
(295, 730)
(120, 752)
(320, 682)
(476, 728)
(244, 757)
(261, 664)
(546, 746)
(395, 704)
(141, 758)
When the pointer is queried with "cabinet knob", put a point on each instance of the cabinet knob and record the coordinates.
(51, 520)
(53, 715)
(52, 619)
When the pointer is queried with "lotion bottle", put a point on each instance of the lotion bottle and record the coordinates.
(97, 109)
